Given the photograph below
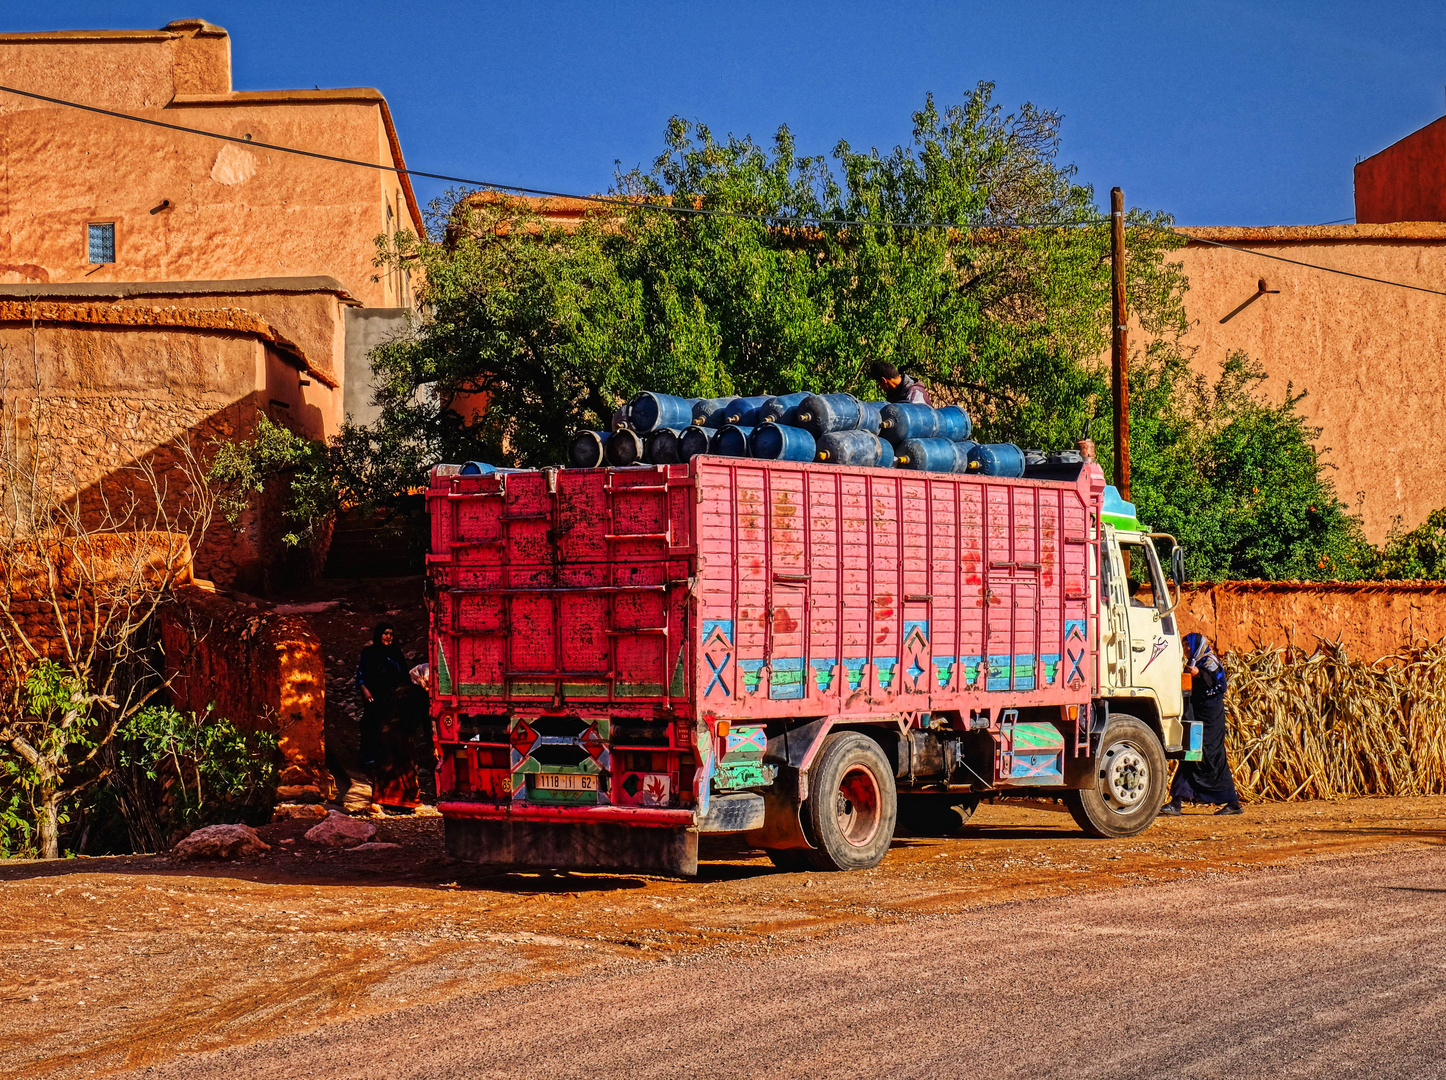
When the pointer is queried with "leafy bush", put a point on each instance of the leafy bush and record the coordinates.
(172, 772)
(1417, 555)
(242, 469)
(1234, 478)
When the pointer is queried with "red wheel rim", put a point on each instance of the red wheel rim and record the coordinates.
(859, 806)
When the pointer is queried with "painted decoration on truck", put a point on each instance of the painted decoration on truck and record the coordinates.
(1024, 671)
(916, 648)
(785, 678)
(855, 668)
(717, 652)
(1051, 668)
(885, 666)
(752, 674)
(943, 670)
(1074, 651)
(972, 665)
(823, 674)
(1000, 665)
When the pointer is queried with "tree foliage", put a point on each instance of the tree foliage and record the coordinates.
(1417, 554)
(915, 256)
(1236, 479)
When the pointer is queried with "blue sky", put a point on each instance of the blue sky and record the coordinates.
(1220, 113)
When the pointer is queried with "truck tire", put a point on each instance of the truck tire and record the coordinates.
(852, 804)
(935, 815)
(1127, 784)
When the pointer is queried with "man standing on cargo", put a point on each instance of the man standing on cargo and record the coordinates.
(897, 387)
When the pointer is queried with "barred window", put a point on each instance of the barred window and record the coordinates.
(102, 242)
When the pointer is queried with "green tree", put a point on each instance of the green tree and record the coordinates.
(1418, 554)
(554, 329)
(1234, 478)
(969, 256)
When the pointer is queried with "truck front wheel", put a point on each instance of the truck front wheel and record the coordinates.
(852, 803)
(1127, 784)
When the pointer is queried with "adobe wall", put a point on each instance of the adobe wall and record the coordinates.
(114, 395)
(262, 671)
(35, 581)
(1368, 355)
(1372, 620)
(1406, 181)
(187, 207)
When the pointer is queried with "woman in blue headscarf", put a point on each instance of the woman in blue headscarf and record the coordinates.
(1207, 780)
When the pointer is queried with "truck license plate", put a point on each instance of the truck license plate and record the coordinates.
(551, 781)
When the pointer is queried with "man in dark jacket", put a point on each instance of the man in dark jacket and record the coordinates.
(897, 387)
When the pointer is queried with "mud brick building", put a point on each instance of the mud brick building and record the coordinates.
(158, 286)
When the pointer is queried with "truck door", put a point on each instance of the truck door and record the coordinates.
(1153, 634)
(1114, 619)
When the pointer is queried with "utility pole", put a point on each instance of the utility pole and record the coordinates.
(1119, 354)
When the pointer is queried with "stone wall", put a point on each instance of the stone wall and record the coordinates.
(52, 590)
(261, 671)
(108, 413)
(1371, 619)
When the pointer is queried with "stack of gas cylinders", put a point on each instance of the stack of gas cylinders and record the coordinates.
(837, 429)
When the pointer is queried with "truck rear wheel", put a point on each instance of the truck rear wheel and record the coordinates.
(852, 805)
(1127, 784)
(931, 814)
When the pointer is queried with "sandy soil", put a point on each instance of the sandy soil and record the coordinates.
(110, 964)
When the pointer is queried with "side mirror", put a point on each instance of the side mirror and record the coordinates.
(1177, 566)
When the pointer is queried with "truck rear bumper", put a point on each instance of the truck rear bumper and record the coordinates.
(611, 815)
(513, 842)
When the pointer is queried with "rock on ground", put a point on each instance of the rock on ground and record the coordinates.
(298, 812)
(375, 845)
(338, 830)
(221, 842)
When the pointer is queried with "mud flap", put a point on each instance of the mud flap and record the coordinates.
(736, 812)
(550, 845)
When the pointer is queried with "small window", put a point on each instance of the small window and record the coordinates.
(102, 242)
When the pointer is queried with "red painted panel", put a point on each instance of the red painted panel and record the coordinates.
(753, 589)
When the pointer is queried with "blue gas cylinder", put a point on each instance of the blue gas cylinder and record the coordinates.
(781, 410)
(479, 468)
(732, 441)
(996, 459)
(906, 420)
(648, 412)
(871, 415)
(624, 447)
(708, 411)
(928, 455)
(660, 447)
(854, 447)
(694, 441)
(821, 413)
(954, 423)
(781, 442)
(743, 411)
(586, 449)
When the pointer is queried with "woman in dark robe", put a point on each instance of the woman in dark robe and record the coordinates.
(1207, 780)
(386, 735)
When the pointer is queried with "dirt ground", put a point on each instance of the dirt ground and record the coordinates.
(108, 964)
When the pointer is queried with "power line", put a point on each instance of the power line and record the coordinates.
(604, 200)
(776, 219)
(1282, 258)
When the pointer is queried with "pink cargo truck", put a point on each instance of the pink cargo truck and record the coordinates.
(622, 659)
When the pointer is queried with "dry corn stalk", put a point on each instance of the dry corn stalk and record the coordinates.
(1326, 726)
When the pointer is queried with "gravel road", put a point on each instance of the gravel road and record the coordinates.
(1320, 969)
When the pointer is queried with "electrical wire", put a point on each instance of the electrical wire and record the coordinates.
(1281, 258)
(774, 219)
(605, 200)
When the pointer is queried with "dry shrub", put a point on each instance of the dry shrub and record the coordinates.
(1325, 726)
